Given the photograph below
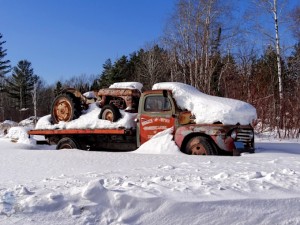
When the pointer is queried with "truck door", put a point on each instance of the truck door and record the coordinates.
(156, 115)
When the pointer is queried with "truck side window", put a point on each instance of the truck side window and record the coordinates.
(157, 104)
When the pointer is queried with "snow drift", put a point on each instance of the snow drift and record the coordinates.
(44, 186)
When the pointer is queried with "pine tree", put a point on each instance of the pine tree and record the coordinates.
(21, 83)
(106, 74)
(4, 64)
(95, 85)
(120, 70)
(58, 88)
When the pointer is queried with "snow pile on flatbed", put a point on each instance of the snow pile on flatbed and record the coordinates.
(89, 120)
(209, 109)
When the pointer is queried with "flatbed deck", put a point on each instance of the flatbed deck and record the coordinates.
(90, 139)
(81, 131)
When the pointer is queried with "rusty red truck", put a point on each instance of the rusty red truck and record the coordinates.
(155, 111)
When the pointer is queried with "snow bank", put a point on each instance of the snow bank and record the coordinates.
(79, 187)
(19, 134)
(147, 189)
(9, 122)
(207, 108)
(6, 125)
(28, 121)
(161, 143)
(129, 85)
(89, 120)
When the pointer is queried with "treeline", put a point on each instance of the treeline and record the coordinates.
(203, 46)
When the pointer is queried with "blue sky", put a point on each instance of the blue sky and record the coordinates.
(65, 38)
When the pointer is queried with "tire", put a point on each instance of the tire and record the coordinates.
(67, 143)
(110, 112)
(65, 107)
(200, 146)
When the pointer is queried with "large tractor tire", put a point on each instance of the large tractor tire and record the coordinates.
(200, 146)
(65, 107)
(110, 112)
(67, 143)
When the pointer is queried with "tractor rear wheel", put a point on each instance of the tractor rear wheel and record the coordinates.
(65, 107)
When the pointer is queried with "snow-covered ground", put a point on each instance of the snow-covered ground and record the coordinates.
(155, 184)
(40, 185)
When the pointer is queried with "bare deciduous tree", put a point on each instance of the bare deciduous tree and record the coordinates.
(152, 66)
(193, 38)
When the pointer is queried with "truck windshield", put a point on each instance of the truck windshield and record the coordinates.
(157, 104)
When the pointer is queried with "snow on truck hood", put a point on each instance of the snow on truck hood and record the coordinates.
(209, 109)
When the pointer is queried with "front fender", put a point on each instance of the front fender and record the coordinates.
(216, 132)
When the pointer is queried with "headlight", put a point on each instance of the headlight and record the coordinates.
(233, 134)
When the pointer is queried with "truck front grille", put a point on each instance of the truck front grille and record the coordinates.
(245, 136)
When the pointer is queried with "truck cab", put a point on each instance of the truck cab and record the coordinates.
(158, 111)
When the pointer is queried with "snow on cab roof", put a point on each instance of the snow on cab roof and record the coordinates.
(209, 109)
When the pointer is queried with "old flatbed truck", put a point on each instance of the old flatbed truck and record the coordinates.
(157, 111)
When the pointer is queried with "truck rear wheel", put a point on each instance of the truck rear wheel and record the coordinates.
(65, 107)
(67, 143)
(110, 112)
(200, 146)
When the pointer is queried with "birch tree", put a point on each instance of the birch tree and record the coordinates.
(273, 10)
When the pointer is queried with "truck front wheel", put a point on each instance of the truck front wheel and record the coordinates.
(67, 143)
(200, 146)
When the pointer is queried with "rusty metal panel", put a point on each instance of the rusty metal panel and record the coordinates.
(218, 132)
(184, 117)
(119, 92)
